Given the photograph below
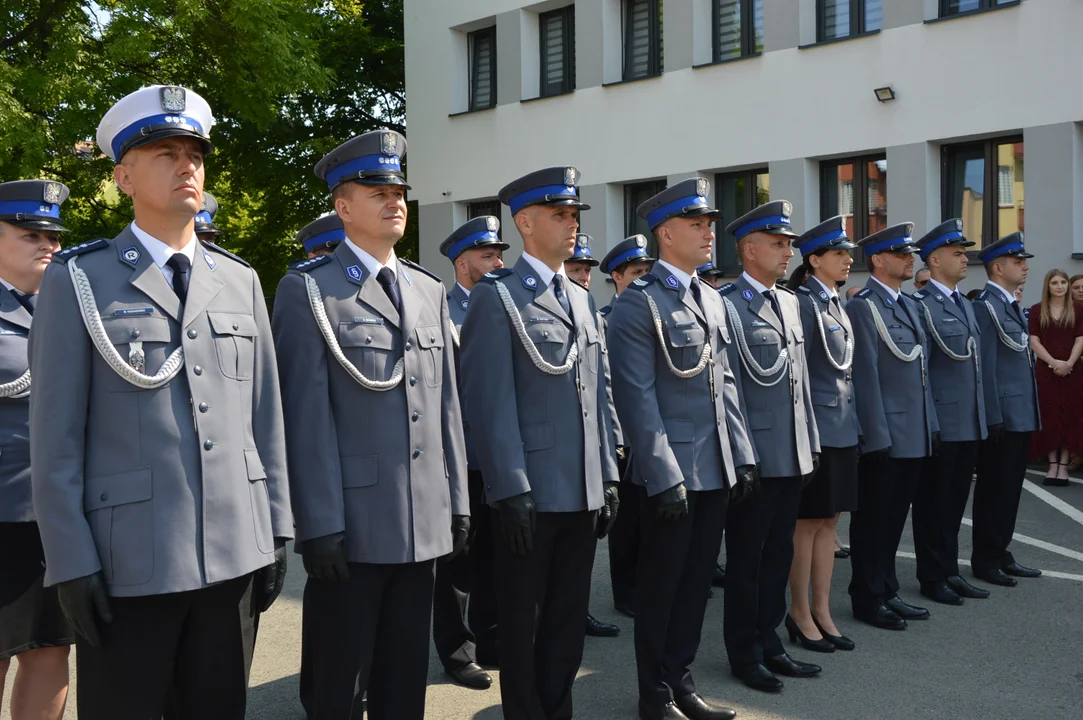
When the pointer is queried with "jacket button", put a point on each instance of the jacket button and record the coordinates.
(432, 339)
(197, 370)
(409, 346)
(415, 417)
(368, 339)
(545, 334)
(204, 407)
(417, 453)
(135, 333)
(236, 326)
(192, 333)
(413, 381)
(104, 497)
(207, 445)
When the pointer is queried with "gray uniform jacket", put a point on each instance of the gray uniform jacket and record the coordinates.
(957, 384)
(780, 417)
(1011, 392)
(688, 430)
(169, 489)
(386, 467)
(15, 504)
(457, 303)
(546, 434)
(614, 421)
(832, 390)
(894, 399)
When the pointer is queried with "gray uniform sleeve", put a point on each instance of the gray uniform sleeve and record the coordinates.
(614, 421)
(311, 439)
(606, 429)
(453, 439)
(866, 369)
(810, 414)
(744, 452)
(987, 342)
(733, 356)
(60, 363)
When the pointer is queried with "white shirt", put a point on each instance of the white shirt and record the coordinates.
(832, 292)
(160, 252)
(462, 289)
(893, 293)
(1007, 295)
(756, 284)
(682, 277)
(943, 288)
(371, 264)
(544, 272)
(8, 285)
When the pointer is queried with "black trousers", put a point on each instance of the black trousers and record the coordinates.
(369, 634)
(885, 489)
(759, 552)
(676, 562)
(1002, 466)
(464, 599)
(184, 655)
(542, 603)
(939, 504)
(625, 539)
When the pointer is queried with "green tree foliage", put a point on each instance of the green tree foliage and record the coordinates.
(288, 80)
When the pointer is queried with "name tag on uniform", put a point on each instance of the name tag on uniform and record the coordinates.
(689, 324)
(369, 321)
(895, 326)
(134, 311)
(542, 320)
(835, 328)
(10, 332)
(949, 320)
(760, 323)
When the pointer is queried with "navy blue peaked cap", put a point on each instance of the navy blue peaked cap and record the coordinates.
(686, 199)
(482, 231)
(551, 186)
(33, 204)
(628, 250)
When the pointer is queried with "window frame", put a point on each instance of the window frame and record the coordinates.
(943, 10)
(748, 30)
(857, 21)
(631, 219)
(479, 208)
(860, 201)
(655, 60)
(751, 188)
(490, 34)
(568, 50)
(991, 207)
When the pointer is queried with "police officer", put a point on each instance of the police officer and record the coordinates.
(898, 424)
(582, 261)
(1011, 406)
(711, 275)
(955, 377)
(378, 461)
(321, 236)
(474, 249)
(627, 261)
(674, 389)
(32, 625)
(206, 230)
(768, 357)
(163, 384)
(533, 386)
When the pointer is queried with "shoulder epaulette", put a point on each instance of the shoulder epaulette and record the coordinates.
(727, 288)
(981, 295)
(643, 281)
(415, 266)
(863, 293)
(312, 263)
(496, 274)
(784, 288)
(804, 290)
(918, 295)
(227, 253)
(80, 249)
(604, 312)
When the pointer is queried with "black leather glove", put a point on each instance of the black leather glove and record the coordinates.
(325, 558)
(996, 432)
(84, 601)
(268, 581)
(460, 533)
(673, 503)
(517, 521)
(815, 462)
(608, 514)
(936, 444)
(746, 487)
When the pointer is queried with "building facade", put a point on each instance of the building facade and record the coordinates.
(972, 106)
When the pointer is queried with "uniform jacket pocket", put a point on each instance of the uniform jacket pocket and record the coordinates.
(234, 341)
(119, 509)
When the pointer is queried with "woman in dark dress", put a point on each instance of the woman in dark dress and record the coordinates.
(1056, 337)
(829, 345)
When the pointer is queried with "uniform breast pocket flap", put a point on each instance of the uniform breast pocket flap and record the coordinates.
(546, 330)
(369, 335)
(763, 337)
(681, 337)
(254, 465)
(234, 341)
(123, 330)
(430, 340)
(951, 329)
(825, 399)
(538, 436)
(121, 517)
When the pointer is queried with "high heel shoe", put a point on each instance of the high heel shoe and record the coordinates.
(820, 645)
(1055, 480)
(840, 642)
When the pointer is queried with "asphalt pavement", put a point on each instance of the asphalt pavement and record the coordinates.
(1016, 655)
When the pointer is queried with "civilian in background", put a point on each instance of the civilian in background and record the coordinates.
(1056, 337)
(1076, 283)
(850, 292)
(973, 294)
(921, 278)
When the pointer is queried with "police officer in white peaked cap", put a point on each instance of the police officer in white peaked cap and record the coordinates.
(164, 508)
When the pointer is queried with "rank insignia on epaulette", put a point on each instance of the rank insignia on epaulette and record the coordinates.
(921, 293)
(980, 295)
(497, 274)
(306, 265)
(210, 260)
(863, 293)
(804, 290)
(727, 288)
(70, 252)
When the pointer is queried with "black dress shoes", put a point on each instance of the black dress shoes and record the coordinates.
(757, 677)
(471, 676)
(719, 578)
(965, 589)
(668, 711)
(905, 610)
(880, 616)
(1015, 569)
(696, 708)
(940, 592)
(841, 642)
(600, 629)
(996, 576)
(625, 608)
(822, 645)
(842, 553)
(785, 665)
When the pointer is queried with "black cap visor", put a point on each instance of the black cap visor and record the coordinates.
(558, 200)
(34, 224)
(155, 133)
(588, 260)
(377, 177)
(902, 249)
(208, 228)
(777, 230)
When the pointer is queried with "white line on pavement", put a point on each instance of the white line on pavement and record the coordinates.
(1054, 501)
(1045, 573)
(1059, 550)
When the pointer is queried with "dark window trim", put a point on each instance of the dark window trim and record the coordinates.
(546, 97)
(844, 38)
(857, 22)
(861, 198)
(942, 11)
(629, 82)
(750, 203)
(748, 32)
(727, 61)
(490, 32)
(472, 112)
(659, 184)
(654, 32)
(477, 208)
(990, 220)
(568, 82)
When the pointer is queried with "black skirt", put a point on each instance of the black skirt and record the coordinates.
(833, 489)
(30, 615)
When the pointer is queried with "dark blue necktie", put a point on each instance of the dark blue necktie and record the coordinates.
(28, 301)
(562, 297)
(390, 284)
(181, 266)
(697, 293)
(771, 298)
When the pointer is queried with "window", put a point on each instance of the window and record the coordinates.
(735, 195)
(968, 171)
(479, 208)
(865, 212)
(642, 21)
(635, 195)
(557, 51)
(483, 68)
(738, 28)
(844, 18)
(961, 7)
